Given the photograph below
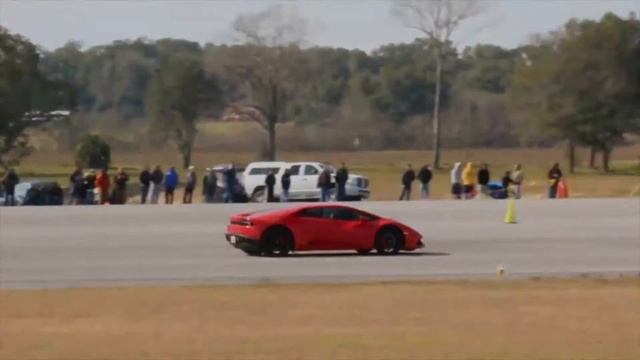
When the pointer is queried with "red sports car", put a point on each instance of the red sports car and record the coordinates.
(319, 227)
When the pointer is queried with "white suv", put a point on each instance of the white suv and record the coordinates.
(304, 180)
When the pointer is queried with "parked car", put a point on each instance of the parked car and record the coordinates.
(304, 180)
(319, 227)
(37, 192)
(497, 191)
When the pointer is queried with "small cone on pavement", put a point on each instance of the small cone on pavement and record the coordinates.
(510, 216)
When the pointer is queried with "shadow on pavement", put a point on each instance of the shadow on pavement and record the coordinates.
(372, 254)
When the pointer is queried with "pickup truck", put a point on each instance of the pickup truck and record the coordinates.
(304, 181)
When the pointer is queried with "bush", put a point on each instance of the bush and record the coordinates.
(93, 152)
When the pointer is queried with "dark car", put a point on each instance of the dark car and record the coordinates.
(39, 193)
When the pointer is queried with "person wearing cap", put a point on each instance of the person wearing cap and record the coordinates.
(190, 185)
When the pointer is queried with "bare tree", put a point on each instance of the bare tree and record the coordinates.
(436, 20)
(271, 44)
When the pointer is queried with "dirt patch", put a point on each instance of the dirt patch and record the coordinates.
(580, 318)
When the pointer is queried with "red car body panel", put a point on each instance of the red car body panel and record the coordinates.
(319, 233)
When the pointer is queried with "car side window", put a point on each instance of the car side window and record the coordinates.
(311, 170)
(311, 213)
(294, 170)
(263, 171)
(341, 214)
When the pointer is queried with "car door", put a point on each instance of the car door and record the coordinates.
(295, 190)
(310, 182)
(310, 229)
(348, 229)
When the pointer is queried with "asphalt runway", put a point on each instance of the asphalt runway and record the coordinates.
(51, 247)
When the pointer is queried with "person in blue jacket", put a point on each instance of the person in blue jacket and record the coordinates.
(170, 184)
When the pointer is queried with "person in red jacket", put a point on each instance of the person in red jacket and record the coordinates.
(103, 184)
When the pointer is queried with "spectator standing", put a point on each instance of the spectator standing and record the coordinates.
(190, 185)
(285, 183)
(270, 182)
(104, 184)
(517, 177)
(456, 180)
(484, 176)
(342, 175)
(76, 183)
(156, 184)
(324, 183)
(425, 175)
(89, 187)
(209, 186)
(407, 179)
(145, 184)
(229, 177)
(469, 178)
(120, 187)
(554, 176)
(9, 182)
(506, 182)
(170, 184)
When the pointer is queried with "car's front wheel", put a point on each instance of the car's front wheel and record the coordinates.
(277, 242)
(389, 241)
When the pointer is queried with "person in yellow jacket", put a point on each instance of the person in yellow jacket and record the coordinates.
(469, 177)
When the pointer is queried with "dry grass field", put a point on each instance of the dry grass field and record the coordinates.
(501, 319)
(384, 168)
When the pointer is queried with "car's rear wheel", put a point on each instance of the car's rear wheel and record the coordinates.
(277, 241)
(389, 241)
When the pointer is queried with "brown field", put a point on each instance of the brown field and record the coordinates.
(384, 168)
(509, 319)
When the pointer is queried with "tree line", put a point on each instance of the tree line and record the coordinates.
(579, 84)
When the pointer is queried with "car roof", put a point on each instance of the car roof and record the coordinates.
(294, 209)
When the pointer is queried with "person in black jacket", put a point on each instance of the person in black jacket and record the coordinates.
(145, 184)
(506, 183)
(76, 185)
(483, 179)
(209, 186)
(285, 182)
(425, 175)
(270, 182)
(407, 179)
(342, 175)
(324, 183)
(554, 176)
(156, 184)
(89, 187)
(9, 182)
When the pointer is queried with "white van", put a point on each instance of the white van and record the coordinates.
(304, 180)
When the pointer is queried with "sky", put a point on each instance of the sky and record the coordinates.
(362, 24)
